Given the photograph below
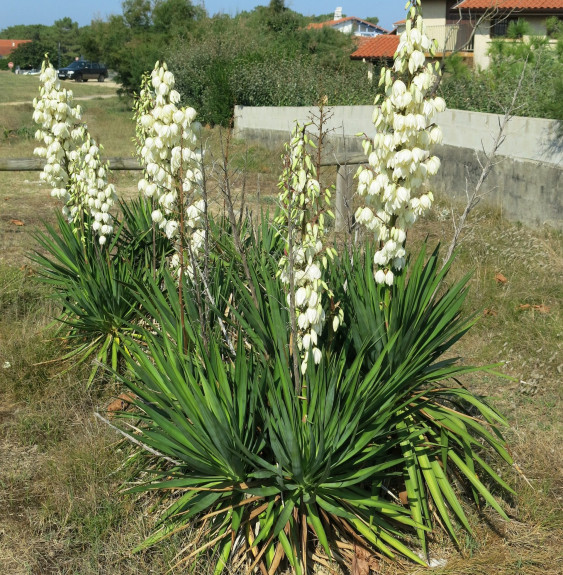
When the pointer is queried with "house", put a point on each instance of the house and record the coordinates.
(8, 46)
(377, 50)
(469, 26)
(349, 25)
(465, 26)
(442, 24)
(490, 19)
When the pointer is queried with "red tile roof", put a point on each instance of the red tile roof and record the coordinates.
(8, 46)
(383, 46)
(318, 25)
(528, 5)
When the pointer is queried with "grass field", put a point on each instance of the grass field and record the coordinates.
(19, 88)
(61, 471)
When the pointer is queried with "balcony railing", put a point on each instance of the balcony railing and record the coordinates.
(452, 37)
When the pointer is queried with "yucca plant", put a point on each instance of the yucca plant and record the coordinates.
(452, 432)
(93, 287)
(139, 240)
(269, 475)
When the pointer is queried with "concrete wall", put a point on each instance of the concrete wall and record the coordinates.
(526, 184)
(521, 190)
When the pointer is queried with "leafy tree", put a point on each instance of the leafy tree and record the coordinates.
(137, 13)
(66, 34)
(31, 54)
(105, 40)
(175, 15)
(241, 61)
(62, 40)
(23, 31)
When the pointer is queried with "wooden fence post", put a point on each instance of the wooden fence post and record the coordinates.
(343, 209)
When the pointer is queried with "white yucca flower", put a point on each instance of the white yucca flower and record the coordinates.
(173, 164)
(302, 222)
(399, 155)
(73, 169)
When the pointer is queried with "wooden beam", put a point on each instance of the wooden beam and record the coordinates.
(36, 164)
(344, 160)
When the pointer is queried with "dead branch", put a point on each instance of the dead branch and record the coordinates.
(477, 194)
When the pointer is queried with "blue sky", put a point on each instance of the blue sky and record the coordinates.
(15, 12)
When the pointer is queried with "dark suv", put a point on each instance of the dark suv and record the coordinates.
(82, 71)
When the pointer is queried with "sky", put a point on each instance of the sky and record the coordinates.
(15, 12)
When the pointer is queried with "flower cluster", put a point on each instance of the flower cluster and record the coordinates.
(173, 164)
(73, 168)
(399, 154)
(303, 209)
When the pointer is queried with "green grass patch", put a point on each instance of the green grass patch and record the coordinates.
(23, 88)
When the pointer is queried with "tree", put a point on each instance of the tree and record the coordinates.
(31, 54)
(137, 13)
(66, 35)
(174, 15)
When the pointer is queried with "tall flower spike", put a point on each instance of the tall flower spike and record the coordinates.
(167, 146)
(400, 160)
(73, 168)
(302, 221)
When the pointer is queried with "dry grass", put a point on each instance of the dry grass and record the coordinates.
(61, 471)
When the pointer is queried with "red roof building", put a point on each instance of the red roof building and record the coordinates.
(519, 5)
(8, 46)
(382, 47)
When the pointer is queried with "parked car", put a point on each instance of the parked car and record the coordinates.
(82, 71)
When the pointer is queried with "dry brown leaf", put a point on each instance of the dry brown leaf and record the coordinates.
(536, 307)
(490, 312)
(17, 222)
(361, 561)
(500, 279)
(122, 402)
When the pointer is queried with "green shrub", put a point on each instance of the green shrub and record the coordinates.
(492, 90)
(518, 29)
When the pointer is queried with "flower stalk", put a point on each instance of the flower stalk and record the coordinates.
(304, 208)
(392, 186)
(73, 169)
(168, 148)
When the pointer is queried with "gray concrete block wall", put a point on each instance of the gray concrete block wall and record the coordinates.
(521, 190)
(525, 185)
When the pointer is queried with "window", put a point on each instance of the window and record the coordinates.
(499, 27)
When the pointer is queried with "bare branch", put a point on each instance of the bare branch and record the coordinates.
(477, 194)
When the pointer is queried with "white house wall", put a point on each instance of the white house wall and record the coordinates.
(481, 44)
(346, 27)
(434, 13)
